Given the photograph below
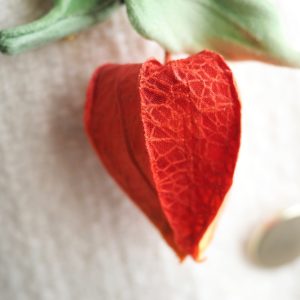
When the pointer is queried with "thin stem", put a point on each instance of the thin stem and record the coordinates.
(65, 18)
(167, 57)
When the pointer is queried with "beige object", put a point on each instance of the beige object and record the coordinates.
(277, 241)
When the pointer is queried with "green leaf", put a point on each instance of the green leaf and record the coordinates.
(237, 29)
(65, 18)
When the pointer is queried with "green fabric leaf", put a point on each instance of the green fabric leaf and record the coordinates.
(65, 18)
(238, 29)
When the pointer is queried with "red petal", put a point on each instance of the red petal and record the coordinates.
(114, 126)
(191, 116)
(190, 112)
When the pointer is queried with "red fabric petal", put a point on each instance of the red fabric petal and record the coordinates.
(169, 135)
(114, 126)
(191, 116)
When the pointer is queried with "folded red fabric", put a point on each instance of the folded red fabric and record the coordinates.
(169, 135)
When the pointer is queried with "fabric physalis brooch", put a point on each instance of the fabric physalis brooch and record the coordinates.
(169, 135)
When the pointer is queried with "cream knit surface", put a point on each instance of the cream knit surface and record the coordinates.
(67, 232)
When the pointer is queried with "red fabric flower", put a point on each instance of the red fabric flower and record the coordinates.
(169, 135)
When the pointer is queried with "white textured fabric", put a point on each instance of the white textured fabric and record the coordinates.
(67, 232)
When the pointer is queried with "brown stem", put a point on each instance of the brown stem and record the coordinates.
(167, 56)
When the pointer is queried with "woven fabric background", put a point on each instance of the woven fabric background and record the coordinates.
(67, 232)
